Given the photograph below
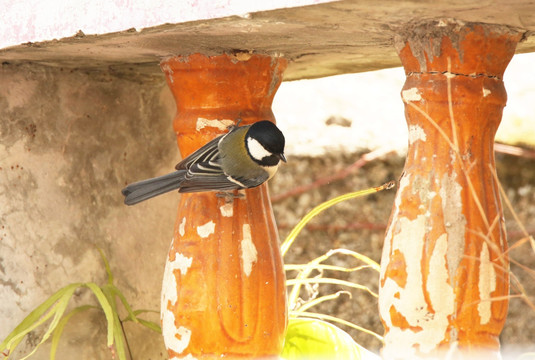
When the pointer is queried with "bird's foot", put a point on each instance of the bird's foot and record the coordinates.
(234, 126)
(230, 196)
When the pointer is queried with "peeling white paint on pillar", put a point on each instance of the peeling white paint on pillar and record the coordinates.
(175, 339)
(441, 293)
(248, 250)
(218, 124)
(167, 69)
(412, 94)
(410, 301)
(416, 133)
(403, 183)
(429, 322)
(182, 227)
(206, 230)
(486, 92)
(454, 220)
(227, 210)
(187, 357)
(487, 285)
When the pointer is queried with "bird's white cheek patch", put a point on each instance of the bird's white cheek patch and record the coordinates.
(256, 149)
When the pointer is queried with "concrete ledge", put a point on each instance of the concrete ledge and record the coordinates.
(320, 40)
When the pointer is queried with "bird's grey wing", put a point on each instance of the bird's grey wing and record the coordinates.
(208, 153)
(208, 183)
(195, 181)
(205, 177)
(204, 154)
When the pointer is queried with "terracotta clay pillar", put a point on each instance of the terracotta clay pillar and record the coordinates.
(224, 289)
(444, 271)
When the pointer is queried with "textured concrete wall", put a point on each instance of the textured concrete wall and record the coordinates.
(69, 141)
(35, 20)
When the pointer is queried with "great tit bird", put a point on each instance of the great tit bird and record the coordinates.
(243, 158)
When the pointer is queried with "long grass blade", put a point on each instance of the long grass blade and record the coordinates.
(321, 299)
(299, 267)
(36, 318)
(61, 306)
(318, 209)
(117, 332)
(61, 325)
(115, 291)
(106, 265)
(336, 320)
(151, 325)
(106, 307)
(331, 281)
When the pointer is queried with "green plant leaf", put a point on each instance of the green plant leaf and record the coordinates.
(327, 204)
(333, 281)
(60, 308)
(151, 325)
(316, 339)
(106, 307)
(61, 325)
(36, 318)
(115, 291)
(106, 265)
(331, 319)
(117, 331)
(320, 300)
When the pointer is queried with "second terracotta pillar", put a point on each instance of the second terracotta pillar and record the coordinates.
(444, 271)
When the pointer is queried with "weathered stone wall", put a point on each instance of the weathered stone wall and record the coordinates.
(69, 141)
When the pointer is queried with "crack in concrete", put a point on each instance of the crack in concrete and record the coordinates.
(453, 74)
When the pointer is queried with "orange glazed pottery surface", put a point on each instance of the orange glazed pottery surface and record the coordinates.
(444, 271)
(224, 288)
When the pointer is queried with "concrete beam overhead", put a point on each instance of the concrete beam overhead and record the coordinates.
(319, 40)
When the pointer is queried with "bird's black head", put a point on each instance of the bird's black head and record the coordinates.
(265, 143)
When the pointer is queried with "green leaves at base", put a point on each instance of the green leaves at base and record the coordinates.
(52, 313)
(316, 339)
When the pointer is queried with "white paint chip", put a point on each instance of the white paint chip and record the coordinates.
(416, 133)
(412, 94)
(182, 227)
(218, 124)
(486, 92)
(169, 70)
(454, 220)
(187, 357)
(175, 339)
(410, 301)
(248, 250)
(440, 290)
(429, 322)
(170, 284)
(487, 284)
(227, 210)
(206, 230)
(170, 294)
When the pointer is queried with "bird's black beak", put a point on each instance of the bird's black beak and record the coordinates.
(282, 157)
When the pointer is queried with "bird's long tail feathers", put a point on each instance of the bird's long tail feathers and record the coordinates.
(146, 189)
